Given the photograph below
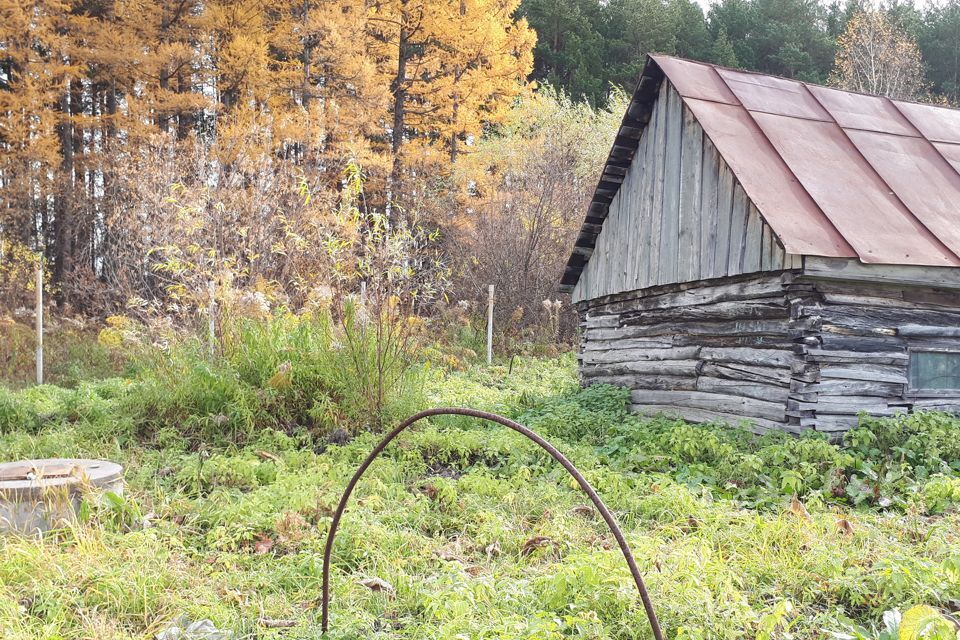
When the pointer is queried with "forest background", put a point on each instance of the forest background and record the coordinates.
(160, 156)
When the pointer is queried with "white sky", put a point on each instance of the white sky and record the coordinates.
(707, 3)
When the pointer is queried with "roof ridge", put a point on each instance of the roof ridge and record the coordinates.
(808, 84)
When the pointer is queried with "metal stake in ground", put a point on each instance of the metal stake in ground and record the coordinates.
(490, 326)
(519, 428)
(39, 321)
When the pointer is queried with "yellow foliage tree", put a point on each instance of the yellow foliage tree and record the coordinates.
(268, 90)
(451, 65)
(875, 56)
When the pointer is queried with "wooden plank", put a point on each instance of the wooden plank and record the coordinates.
(645, 240)
(937, 404)
(854, 270)
(830, 423)
(823, 356)
(596, 321)
(909, 297)
(727, 329)
(753, 241)
(725, 203)
(657, 176)
(632, 226)
(629, 228)
(723, 403)
(830, 341)
(617, 258)
(709, 209)
(691, 169)
(875, 323)
(596, 344)
(639, 355)
(738, 231)
(652, 367)
(778, 257)
(739, 355)
(845, 405)
(770, 393)
(733, 289)
(779, 376)
(766, 247)
(613, 260)
(721, 336)
(690, 414)
(873, 372)
(631, 381)
(642, 227)
(921, 331)
(734, 310)
(670, 221)
(855, 387)
(626, 229)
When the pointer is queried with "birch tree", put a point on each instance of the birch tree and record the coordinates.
(875, 56)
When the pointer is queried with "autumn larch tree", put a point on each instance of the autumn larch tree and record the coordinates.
(451, 65)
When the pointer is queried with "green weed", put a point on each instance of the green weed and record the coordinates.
(474, 531)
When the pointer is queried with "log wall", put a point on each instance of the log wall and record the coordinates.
(858, 356)
(781, 350)
(720, 350)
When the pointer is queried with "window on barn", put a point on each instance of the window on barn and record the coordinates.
(935, 370)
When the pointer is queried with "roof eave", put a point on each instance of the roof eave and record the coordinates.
(621, 155)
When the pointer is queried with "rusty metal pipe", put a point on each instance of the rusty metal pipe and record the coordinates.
(519, 428)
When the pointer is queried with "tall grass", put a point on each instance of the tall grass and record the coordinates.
(71, 354)
(288, 373)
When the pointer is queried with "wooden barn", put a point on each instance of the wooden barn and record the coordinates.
(766, 250)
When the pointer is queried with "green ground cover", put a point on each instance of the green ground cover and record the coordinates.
(469, 530)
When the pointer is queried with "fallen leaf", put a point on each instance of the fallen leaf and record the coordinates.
(270, 623)
(377, 585)
(535, 543)
(583, 510)
(797, 509)
(263, 544)
(845, 527)
(447, 555)
(266, 455)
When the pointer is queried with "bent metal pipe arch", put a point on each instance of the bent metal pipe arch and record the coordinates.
(519, 428)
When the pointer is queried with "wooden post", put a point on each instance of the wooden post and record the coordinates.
(211, 323)
(490, 326)
(39, 319)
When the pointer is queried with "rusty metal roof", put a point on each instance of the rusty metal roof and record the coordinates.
(834, 173)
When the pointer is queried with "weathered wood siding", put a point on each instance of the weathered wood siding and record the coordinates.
(679, 216)
(857, 356)
(788, 350)
(714, 351)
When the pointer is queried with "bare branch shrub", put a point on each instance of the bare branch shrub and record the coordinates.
(527, 186)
